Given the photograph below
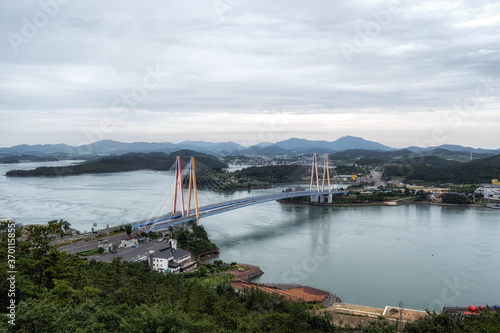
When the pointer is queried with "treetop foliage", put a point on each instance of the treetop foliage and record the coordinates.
(58, 292)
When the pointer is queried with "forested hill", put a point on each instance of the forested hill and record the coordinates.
(123, 163)
(475, 172)
(270, 173)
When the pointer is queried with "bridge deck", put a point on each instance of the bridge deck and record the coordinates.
(173, 219)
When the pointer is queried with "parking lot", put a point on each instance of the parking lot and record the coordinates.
(140, 252)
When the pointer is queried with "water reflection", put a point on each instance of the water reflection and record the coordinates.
(366, 255)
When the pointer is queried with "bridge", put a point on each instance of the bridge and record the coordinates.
(322, 193)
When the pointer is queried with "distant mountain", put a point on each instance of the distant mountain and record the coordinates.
(291, 146)
(454, 148)
(266, 150)
(37, 149)
(264, 144)
(115, 147)
(353, 142)
(341, 144)
(211, 146)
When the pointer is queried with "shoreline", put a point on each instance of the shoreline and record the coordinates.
(368, 204)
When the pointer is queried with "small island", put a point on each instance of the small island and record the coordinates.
(157, 161)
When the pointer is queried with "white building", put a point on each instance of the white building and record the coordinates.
(130, 241)
(490, 191)
(170, 259)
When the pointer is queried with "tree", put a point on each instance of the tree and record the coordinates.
(199, 232)
(406, 192)
(455, 198)
(128, 229)
(38, 237)
(203, 271)
(65, 224)
(182, 239)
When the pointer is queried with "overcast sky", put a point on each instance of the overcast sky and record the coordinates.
(401, 73)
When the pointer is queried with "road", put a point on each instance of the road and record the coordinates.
(127, 254)
(377, 178)
(133, 253)
(81, 246)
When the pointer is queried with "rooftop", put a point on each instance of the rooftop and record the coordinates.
(490, 185)
(169, 252)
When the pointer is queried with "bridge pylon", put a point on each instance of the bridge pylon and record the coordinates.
(326, 174)
(192, 185)
(326, 179)
(179, 188)
(314, 170)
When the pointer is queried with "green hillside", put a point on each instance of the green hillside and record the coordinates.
(122, 163)
(403, 156)
(475, 172)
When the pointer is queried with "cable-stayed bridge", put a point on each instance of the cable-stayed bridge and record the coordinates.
(187, 176)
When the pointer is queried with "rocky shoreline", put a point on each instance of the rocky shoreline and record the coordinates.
(292, 292)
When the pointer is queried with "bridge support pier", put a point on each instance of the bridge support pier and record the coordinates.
(315, 198)
(328, 198)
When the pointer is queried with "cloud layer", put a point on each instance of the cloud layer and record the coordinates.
(392, 71)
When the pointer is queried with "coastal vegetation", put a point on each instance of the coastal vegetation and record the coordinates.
(122, 163)
(197, 241)
(474, 172)
(58, 292)
(403, 156)
(11, 159)
(272, 173)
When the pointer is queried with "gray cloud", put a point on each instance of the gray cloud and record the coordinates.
(247, 57)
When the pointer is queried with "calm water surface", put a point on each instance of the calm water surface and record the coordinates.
(426, 256)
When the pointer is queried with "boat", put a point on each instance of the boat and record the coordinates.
(493, 202)
(493, 205)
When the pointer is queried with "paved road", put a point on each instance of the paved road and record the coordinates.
(93, 244)
(159, 226)
(127, 254)
(377, 178)
(133, 253)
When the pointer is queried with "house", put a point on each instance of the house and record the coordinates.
(129, 241)
(133, 241)
(490, 191)
(171, 259)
